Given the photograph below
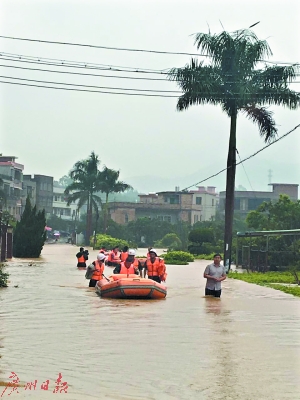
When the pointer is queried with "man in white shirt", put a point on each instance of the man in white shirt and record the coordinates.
(214, 273)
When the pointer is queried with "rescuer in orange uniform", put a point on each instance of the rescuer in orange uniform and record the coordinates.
(130, 266)
(113, 259)
(155, 267)
(124, 254)
(81, 258)
(98, 271)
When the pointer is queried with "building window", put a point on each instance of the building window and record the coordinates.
(196, 218)
(199, 200)
(243, 204)
(200, 217)
(126, 218)
(212, 202)
(167, 218)
(174, 200)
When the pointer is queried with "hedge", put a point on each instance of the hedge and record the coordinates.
(178, 257)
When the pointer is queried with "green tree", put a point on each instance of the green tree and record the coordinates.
(171, 241)
(201, 235)
(30, 234)
(233, 81)
(3, 196)
(87, 181)
(150, 229)
(280, 215)
(65, 181)
(111, 184)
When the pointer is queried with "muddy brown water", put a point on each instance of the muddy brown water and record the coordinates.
(244, 346)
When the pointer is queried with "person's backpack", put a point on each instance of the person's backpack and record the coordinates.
(90, 271)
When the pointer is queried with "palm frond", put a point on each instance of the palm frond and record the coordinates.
(275, 76)
(277, 96)
(264, 119)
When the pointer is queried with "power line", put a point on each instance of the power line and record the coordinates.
(61, 63)
(245, 171)
(86, 90)
(84, 65)
(124, 48)
(96, 75)
(103, 47)
(18, 57)
(214, 95)
(245, 159)
(89, 86)
(85, 74)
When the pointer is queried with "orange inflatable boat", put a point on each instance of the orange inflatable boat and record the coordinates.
(121, 286)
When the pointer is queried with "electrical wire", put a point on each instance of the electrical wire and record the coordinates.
(84, 65)
(105, 87)
(245, 172)
(103, 47)
(86, 90)
(123, 49)
(245, 159)
(86, 74)
(97, 75)
(18, 57)
(89, 86)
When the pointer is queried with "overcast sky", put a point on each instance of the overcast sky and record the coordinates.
(154, 146)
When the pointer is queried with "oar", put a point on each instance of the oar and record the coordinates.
(106, 278)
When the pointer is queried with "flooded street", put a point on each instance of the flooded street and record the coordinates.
(245, 346)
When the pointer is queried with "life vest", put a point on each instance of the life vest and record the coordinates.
(130, 270)
(155, 269)
(113, 257)
(99, 269)
(124, 256)
(81, 259)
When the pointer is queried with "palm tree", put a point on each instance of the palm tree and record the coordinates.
(233, 81)
(110, 184)
(86, 182)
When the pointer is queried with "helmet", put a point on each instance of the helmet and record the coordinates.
(131, 252)
(153, 251)
(101, 257)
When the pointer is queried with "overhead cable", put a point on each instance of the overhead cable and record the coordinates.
(179, 93)
(121, 48)
(89, 86)
(86, 90)
(245, 159)
(97, 75)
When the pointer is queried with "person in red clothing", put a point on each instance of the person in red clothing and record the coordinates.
(98, 271)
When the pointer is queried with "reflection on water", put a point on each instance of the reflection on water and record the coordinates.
(188, 346)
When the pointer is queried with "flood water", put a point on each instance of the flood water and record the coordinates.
(244, 346)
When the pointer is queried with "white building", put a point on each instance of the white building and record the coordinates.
(207, 198)
(60, 207)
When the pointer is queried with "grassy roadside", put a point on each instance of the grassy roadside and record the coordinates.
(275, 280)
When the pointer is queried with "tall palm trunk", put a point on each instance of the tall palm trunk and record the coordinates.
(89, 220)
(105, 213)
(230, 185)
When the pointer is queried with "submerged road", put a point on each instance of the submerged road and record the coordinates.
(244, 346)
